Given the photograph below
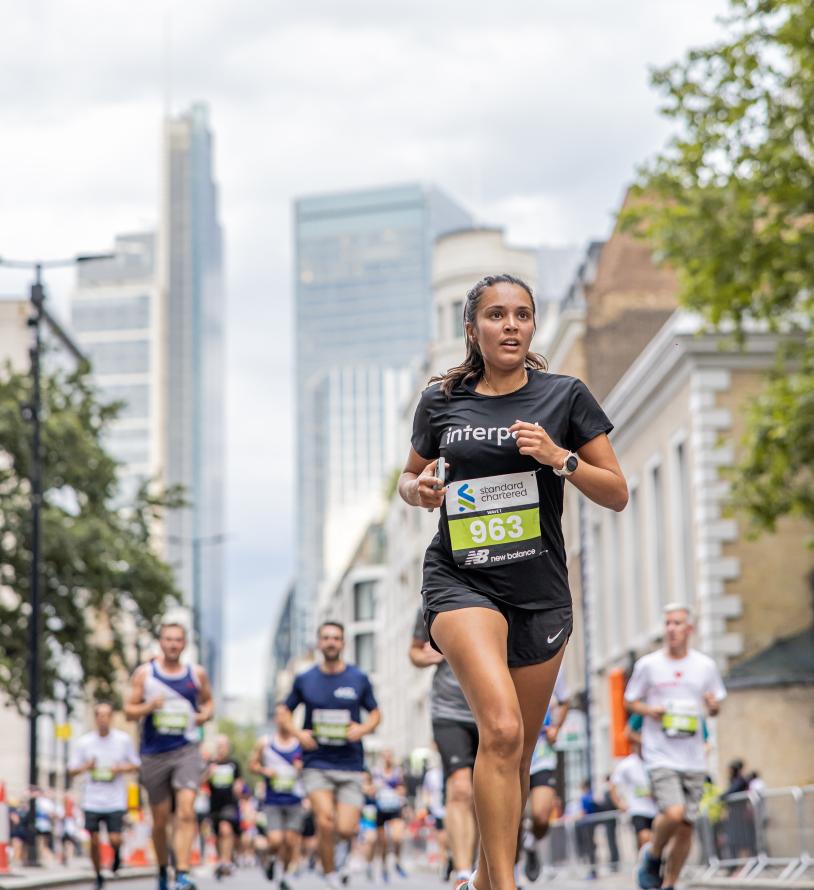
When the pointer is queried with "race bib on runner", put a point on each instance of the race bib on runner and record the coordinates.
(172, 718)
(330, 725)
(388, 799)
(682, 718)
(544, 756)
(102, 774)
(223, 776)
(494, 520)
(284, 780)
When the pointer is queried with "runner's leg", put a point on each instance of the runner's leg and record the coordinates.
(459, 819)
(226, 842)
(185, 825)
(542, 803)
(322, 806)
(474, 642)
(95, 852)
(161, 821)
(679, 850)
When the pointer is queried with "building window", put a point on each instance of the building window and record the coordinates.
(457, 318)
(364, 601)
(366, 652)
(658, 554)
(614, 564)
(598, 589)
(635, 558)
(685, 574)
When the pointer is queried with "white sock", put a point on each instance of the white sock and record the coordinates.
(332, 879)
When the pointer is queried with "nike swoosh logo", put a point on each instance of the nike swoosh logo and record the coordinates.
(551, 639)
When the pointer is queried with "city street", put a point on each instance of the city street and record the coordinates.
(420, 878)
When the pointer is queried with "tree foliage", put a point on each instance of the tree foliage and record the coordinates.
(100, 580)
(729, 204)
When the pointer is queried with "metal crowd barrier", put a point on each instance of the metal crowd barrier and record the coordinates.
(753, 837)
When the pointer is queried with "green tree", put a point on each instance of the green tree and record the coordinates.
(242, 739)
(100, 576)
(729, 204)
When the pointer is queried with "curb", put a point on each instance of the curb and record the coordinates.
(65, 879)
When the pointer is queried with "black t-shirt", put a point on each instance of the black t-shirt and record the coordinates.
(470, 431)
(221, 785)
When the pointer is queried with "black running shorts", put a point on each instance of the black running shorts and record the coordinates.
(544, 778)
(535, 635)
(457, 744)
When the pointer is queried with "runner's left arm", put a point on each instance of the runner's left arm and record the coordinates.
(206, 703)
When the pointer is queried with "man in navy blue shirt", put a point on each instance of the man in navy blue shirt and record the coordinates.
(334, 694)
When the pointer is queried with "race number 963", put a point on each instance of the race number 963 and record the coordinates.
(496, 529)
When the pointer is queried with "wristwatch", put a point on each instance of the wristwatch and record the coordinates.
(570, 464)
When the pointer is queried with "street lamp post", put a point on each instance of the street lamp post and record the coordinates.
(33, 414)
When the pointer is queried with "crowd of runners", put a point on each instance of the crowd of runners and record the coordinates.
(494, 443)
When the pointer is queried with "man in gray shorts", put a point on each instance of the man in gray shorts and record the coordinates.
(673, 688)
(334, 694)
(172, 700)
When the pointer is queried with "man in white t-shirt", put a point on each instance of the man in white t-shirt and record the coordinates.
(105, 756)
(673, 688)
(630, 790)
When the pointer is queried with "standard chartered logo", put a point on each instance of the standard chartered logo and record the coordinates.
(466, 498)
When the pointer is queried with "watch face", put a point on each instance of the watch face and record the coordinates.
(571, 464)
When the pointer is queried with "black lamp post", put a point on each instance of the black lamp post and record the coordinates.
(32, 413)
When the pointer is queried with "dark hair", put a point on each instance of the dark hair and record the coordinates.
(103, 703)
(331, 624)
(472, 366)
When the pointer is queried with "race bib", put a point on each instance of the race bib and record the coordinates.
(682, 718)
(494, 520)
(330, 725)
(642, 791)
(544, 756)
(284, 780)
(223, 776)
(102, 774)
(172, 718)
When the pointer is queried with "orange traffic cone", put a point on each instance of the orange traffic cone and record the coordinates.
(4, 831)
(106, 855)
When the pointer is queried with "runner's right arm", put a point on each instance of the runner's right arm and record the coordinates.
(134, 705)
(256, 760)
(418, 482)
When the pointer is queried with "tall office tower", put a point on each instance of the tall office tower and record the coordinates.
(116, 319)
(363, 315)
(193, 337)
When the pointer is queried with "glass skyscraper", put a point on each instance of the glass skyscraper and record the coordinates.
(193, 335)
(363, 316)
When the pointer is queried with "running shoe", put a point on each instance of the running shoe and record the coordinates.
(400, 871)
(185, 882)
(99, 882)
(648, 874)
(163, 883)
(117, 860)
(385, 876)
(284, 885)
(533, 864)
(270, 869)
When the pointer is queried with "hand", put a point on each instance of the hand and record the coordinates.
(551, 734)
(90, 765)
(200, 718)
(157, 703)
(122, 768)
(712, 703)
(534, 441)
(355, 732)
(656, 711)
(432, 656)
(307, 740)
(269, 773)
(426, 486)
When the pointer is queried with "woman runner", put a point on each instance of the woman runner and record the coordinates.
(495, 589)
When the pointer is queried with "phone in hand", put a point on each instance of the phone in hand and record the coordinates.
(440, 475)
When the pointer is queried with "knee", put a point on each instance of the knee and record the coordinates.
(502, 736)
(674, 814)
(224, 829)
(325, 823)
(459, 787)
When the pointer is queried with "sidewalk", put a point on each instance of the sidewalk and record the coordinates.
(81, 872)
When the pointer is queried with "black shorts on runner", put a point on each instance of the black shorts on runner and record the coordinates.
(544, 778)
(309, 828)
(114, 822)
(383, 818)
(439, 823)
(229, 815)
(535, 635)
(641, 823)
(457, 744)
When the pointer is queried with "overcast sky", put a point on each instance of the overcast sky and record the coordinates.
(534, 114)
